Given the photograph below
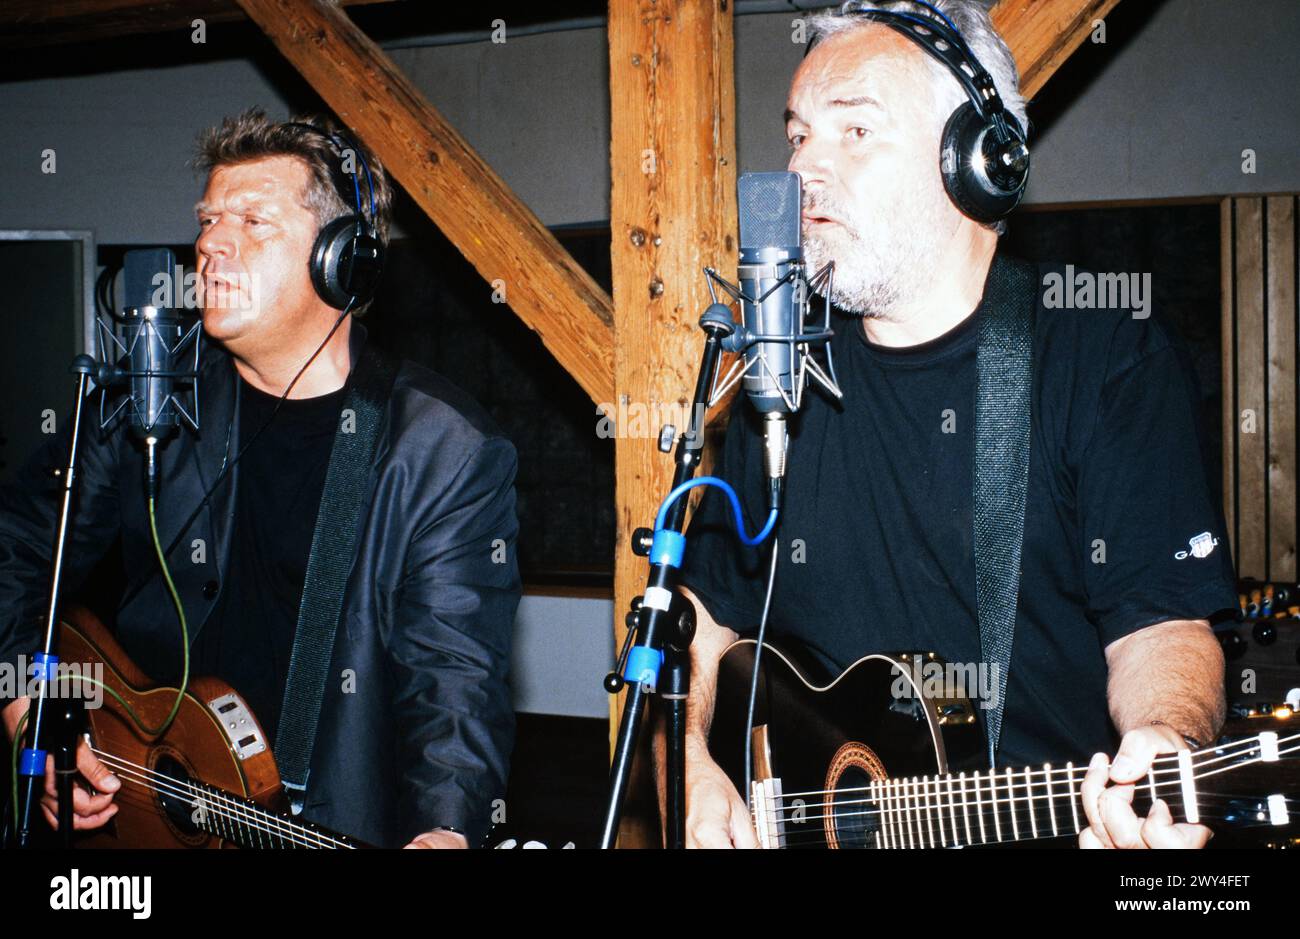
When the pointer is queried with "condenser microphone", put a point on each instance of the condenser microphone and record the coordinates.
(158, 353)
(153, 330)
(773, 296)
(772, 288)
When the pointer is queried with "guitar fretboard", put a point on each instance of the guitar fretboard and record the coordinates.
(979, 808)
(249, 825)
(1006, 805)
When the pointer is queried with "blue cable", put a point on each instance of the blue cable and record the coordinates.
(662, 516)
(370, 182)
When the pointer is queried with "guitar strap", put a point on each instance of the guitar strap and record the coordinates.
(1004, 360)
(333, 549)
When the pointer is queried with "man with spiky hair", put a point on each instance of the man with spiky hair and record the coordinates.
(415, 726)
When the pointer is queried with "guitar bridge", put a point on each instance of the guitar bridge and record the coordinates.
(238, 724)
(768, 811)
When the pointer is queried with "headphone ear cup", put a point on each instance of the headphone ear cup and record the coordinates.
(346, 261)
(964, 158)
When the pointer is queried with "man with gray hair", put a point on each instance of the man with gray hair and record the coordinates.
(1112, 650)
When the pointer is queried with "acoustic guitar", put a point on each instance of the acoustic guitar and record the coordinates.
(209, 781)
(870, 759)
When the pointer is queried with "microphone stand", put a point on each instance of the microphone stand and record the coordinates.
(31, 763)
(661, 620)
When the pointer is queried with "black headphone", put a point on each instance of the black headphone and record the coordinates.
(348, 256)
(983, 157)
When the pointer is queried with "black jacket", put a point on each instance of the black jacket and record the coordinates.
(421, 734)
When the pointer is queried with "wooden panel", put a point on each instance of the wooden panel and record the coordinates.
(473, 207)
(672, 211)
(1281, 305)
(1252, 511)
(1227, 288)
(1043, 33)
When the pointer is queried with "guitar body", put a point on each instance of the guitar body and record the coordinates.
(208, 781)
(818, 734)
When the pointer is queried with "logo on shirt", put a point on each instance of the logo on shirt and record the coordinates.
(1199, 546)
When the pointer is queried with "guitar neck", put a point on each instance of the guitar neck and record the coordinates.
(979, 808)
(1006, 805)
(245, 823)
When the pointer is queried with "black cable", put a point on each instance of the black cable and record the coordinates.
(753, 682)
(226, 468)
(224, 472)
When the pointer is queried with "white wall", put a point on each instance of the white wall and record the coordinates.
(1168, 118)
(563, 649)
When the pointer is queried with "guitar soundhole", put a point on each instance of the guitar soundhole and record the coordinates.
(854, 823)
(850, 816)
(174, 799)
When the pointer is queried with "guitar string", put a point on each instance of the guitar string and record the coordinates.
(1048, 771)
(921, 807)
(241, 811)
(917, 818)
(922, 833)
(1222, 754)
(238, 832)
(936, 801)
(217, 813)
(922, 839)
(186, 795)
(1017, 781)
(924, 787)
(915, 810)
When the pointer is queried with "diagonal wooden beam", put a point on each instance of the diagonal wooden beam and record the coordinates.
(473, 207)
(1043, 33)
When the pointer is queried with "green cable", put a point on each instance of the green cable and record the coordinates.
(135, 718)
(13, 776)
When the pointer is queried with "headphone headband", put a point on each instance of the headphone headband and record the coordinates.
(341, 144)
(940, 39)
(347, 257)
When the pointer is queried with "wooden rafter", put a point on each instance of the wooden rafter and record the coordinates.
(474, 208)
(1042, 34)
(25, 23)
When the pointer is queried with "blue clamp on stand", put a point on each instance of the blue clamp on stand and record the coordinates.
(45, 667)
(643, 664)
(667, 548)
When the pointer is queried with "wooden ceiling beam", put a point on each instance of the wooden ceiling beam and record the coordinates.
(499, 235)
(1042, 34)
(30, 23)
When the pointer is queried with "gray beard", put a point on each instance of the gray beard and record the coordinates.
(869, 279)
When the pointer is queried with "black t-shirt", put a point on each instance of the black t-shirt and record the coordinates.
(876, 532)
(248, 639)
